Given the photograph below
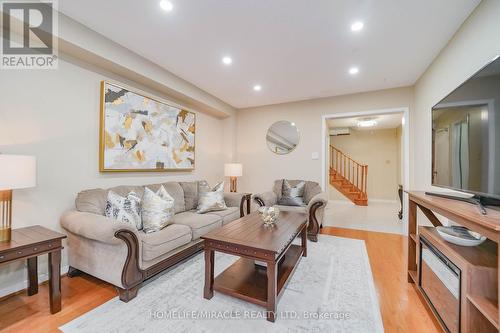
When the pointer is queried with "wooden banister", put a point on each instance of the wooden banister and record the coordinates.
(355, 173)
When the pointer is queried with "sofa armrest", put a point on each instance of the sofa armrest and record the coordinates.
(266, 199)
(316, 211)
(234, 199)
(96, 227)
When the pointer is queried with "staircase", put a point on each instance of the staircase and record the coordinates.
(348, 177)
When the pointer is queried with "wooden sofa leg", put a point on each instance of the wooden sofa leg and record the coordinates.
(72, 272)
(128, 294)
(312, 238)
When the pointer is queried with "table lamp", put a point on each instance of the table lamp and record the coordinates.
(16, 171)
(233, 170)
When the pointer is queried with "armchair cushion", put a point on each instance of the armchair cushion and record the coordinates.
(310, 190)
(93, 226)
(292, 195)
(268, 198)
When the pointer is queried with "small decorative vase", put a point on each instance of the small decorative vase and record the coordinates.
(269, 215)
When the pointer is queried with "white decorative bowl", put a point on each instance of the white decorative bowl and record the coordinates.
(269, 215)
(460, 236)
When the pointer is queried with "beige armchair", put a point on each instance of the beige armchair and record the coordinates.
(315, 202)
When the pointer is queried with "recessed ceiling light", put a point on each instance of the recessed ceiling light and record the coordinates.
(293, 124)
(367, 123)
(166, 5)
(357, 26)
(353, 70)
(227, 60)
(257, 87)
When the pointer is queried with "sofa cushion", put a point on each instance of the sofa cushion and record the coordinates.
(175, 190)
(200, 224)
(228, 215)
(125, 209)
(190, 194)
(157, 209)
(211, 200)
(167, 239)
(94, 200)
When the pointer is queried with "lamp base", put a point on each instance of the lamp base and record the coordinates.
(232, 184)
(5, 215)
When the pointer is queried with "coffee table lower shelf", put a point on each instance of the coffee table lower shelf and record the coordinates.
(246, 281)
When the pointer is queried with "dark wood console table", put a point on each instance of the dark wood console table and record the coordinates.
(27, 244)
(480, 288)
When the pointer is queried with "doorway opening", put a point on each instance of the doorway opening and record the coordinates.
(365, 170)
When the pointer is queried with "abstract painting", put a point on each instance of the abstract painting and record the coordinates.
(139, 133)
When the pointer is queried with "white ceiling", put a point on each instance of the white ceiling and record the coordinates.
(384, 121)
(296, 49)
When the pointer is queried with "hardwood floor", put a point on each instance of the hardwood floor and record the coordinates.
(401, 308)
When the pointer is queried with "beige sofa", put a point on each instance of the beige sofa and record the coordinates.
(315, 202)
(119, 254)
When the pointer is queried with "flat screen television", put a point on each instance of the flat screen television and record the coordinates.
(466, 136)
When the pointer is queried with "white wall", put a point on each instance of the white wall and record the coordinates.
(262, 167)
(54, 115)
(380, 150)
(474, 45)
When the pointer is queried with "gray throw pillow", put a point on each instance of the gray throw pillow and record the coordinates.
(157, 210)
(292, 195)
(124, 209)
(210, 200)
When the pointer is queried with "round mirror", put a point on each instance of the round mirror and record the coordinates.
(282, 137)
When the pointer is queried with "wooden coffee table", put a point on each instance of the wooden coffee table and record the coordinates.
(248, 238)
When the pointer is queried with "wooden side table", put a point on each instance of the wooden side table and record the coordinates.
(27, 244)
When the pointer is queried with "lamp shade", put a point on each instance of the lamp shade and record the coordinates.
(17, 171)
(233, 170)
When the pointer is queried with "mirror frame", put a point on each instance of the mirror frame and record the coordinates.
(298, 137)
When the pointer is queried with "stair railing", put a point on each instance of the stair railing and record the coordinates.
(354, 172)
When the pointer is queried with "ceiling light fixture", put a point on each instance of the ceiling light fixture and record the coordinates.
(367, 123)
(357, 26)
(353, 70)
(257, 87)
(227, 60)
(166, 5)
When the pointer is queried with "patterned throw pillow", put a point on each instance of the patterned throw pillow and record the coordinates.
(157, 210)
(210, 200)
(292, 195)
(124, 209)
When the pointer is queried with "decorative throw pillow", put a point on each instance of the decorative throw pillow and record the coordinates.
(124, 209)
(292, 195)
(210, 200)
(157, 210)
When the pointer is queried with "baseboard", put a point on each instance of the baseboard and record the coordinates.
(22, 285)
(382, 201)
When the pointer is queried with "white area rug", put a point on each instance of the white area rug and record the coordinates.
(331, 290)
